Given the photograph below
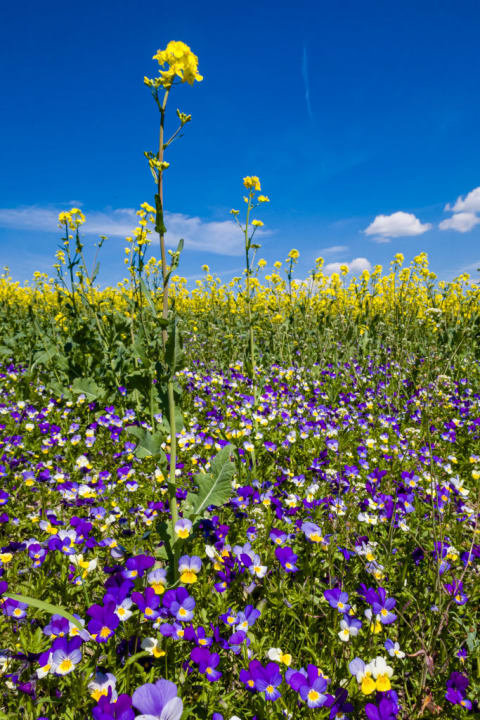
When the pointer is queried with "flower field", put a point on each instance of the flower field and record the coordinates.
(257, 499)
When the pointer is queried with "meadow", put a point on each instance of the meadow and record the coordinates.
(251, 499)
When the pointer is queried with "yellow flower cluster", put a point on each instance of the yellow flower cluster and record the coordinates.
(73, 219)
(252, 182)
(182, 63)
(404, 295)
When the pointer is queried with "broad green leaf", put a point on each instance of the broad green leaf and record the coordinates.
(42, 605)
(174, 355)
(87, 387)
(215, 487)
(148, 297)
(149, 445)
(44, 356)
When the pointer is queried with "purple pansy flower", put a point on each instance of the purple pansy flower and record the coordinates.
(147, 603)
(337, 599)
(310, 685)
(119, 710)
(207, 662)
(287, 558)
(158, 701)
(104, 621)
(267, 679)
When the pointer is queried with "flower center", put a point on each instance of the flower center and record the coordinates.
(65, 665)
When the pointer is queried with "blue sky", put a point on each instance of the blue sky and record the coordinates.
(362, 120)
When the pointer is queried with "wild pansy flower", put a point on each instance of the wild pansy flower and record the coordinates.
(158, 701)
(393, 649)
(14, 608)
(236, 640)
(104, 621)
(339, 705)
(150, 645)
(254, 564)
(386, 710)
(278, 537)
(207, 662)
(189, 567)
(457, 684)
(157, 579)
(267, 679)
(337, 599)
(248, 676)
(312, 532)
(121, 709)
(136, 566)
(349, 627)
(183, 528)
(382, 606)
(246, 618)
(45, 664)
(122, 611)
(75, 631)
(103, 685)
(65, 655)
(229, 618)
(57, 627)
(310, 684)
(287, 559)
(278, 656)
(381, 672)
(173, 630)
(363, 674)
(37, 553)
(374, 620)
(198, 636)
(179, 604)
(456, 590)
(147, 603)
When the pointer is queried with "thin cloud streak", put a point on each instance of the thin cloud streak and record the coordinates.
(219, 237)
(305, 80)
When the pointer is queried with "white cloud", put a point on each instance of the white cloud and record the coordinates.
(464, 216)
(471, 203)
(221, 237)
(333, 250)
(356, 266)
(462, 222)
(398, 224)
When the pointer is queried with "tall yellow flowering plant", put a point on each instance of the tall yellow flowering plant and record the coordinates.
(181, 64)
(252, 184)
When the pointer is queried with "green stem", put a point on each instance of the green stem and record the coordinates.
(172, 498)
(161, 148)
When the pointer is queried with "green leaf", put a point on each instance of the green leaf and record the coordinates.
(42, 605)
(137, 656)
(174, 354)
(87, 387)
(43, 357)
(149, 445)
(148, 297)
(215, 487)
